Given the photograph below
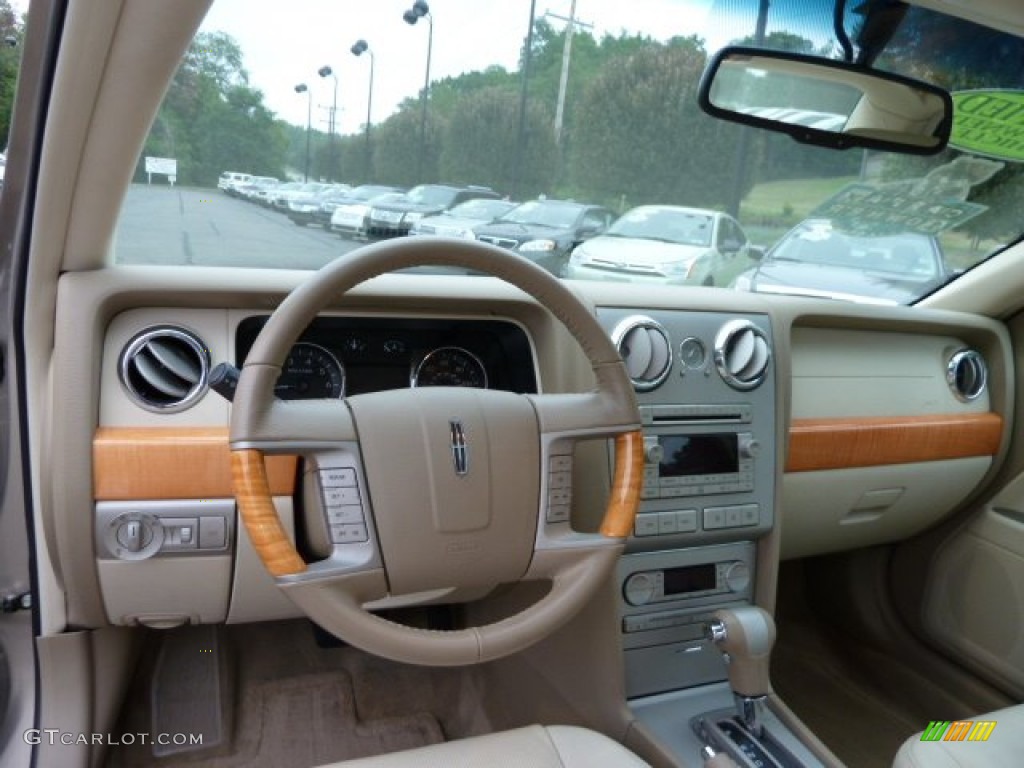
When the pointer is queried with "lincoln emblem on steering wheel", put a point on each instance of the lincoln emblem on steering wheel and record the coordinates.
(460, 451)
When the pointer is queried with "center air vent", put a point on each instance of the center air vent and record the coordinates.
(645, 348)
(967, 374)
(742, 353)
(165, 369)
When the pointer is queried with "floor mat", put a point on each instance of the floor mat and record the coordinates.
(292, 704)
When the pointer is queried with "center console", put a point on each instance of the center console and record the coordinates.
(706, 390)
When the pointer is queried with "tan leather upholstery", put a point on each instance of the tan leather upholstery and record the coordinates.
(1003, 749)
(558, 746)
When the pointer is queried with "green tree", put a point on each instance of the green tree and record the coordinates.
(640, 133)
(11, 33)
(481, 142)
(396, 149)
(212, 120)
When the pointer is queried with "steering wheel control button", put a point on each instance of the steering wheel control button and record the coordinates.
(338, 477)
(558, 513)
(349, 534)
(559, 480)
(345, 514)
(334, 497)
(560, 464)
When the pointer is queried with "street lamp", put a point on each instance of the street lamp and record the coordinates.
(303, 88)
(418, 11)
(358, 49)
(326, 71)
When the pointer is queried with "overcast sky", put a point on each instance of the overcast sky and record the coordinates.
(285, 44)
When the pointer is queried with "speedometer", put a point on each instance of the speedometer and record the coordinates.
(310, 372)
(450, 367)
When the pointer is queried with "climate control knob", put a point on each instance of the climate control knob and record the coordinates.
(737, 576)
(749, 447)
(640, 589)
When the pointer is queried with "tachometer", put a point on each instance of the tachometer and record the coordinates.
(310, 372)
(450, 367)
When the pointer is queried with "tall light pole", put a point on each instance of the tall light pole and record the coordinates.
(326, 71)
(303, 88)
(419, 10)
(358, 49)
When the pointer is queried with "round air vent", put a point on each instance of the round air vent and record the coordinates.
(165, 369)
(967, 374)
(646, 350)
(742, 353)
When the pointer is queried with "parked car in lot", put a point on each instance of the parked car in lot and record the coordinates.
(460, 220)
(396, 218)
(257, 188)
(661, 244)
(352, 220)
(815, 258)
(303, 209)
(229, 181)
(545, 231)
(354, 196)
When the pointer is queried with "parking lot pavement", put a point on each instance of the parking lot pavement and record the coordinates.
(188, 225)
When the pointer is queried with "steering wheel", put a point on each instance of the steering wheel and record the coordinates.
(439, 487)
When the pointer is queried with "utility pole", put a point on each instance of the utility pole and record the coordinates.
(563, 83)
(521, 135)
(743, 146)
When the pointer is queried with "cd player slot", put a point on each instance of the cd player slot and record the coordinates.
(672, 420)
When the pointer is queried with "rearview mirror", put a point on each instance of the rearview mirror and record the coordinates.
(825, 102)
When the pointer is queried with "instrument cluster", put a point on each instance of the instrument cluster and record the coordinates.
(341, 356)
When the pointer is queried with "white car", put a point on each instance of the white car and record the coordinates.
(350, 220)
(230, 181)
(662, 244)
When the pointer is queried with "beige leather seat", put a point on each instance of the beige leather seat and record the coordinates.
(557, 746)
(1004, 747)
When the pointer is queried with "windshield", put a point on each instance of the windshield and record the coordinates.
(602, 112)
(673, 226)
(480, 209)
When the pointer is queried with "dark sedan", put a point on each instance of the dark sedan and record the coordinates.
(395, 219)
(817, 259)
(545, 231)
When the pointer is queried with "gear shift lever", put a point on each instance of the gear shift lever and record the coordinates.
(745, 636)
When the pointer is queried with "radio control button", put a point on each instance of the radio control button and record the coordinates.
(649, 491)
(749, 448)
(714, 518)
(733, 517)
(653, 451)
(668, 522)
(646, 525)
(686, 521)
(751, 514)
(651, 473)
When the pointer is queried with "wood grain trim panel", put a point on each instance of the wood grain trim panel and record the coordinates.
(629, 477)
(146, 463)
(261, 521)
(816, 444)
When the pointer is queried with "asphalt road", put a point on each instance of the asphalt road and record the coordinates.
(186, 225)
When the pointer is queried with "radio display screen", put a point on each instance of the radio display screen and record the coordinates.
(688, 455)
(695, 578)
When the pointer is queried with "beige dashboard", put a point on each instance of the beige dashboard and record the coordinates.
(872, 443)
